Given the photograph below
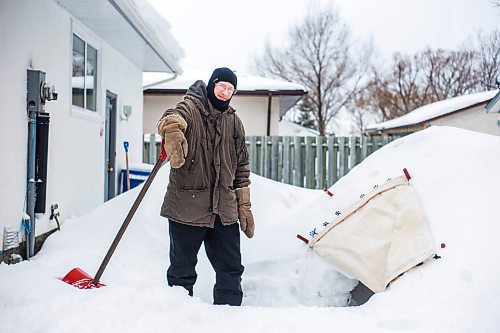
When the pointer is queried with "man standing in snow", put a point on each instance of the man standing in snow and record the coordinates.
(208, 187)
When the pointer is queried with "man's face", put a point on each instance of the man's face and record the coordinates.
(223, 90)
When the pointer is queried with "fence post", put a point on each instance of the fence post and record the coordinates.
(374, 143)
(364, 147)
(280, 158)
(274, 157)
(320, 163)
(145, 149)
(387, 139)
(342, 157)
(262, 154)
(286, 160)
(298, 179)
(358, 150)
(332, 161)
(253, 154)
(152, 148)
(352, 152)
(309, 166)
(267, 157)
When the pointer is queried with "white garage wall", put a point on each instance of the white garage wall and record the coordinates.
(38, 35)
(251, 109)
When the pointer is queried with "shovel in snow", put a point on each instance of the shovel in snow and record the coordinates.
(77, 277)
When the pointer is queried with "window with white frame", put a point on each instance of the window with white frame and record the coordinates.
(84, 79)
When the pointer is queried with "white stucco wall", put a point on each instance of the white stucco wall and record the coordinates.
(251, 109)
(154, 106)
(474, 119)
(253, 112)
(37, 34)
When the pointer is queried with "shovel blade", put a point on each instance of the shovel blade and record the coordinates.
(78, 278)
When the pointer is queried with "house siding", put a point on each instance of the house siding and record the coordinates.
(37, 34)
(251, 109)
(474, 119)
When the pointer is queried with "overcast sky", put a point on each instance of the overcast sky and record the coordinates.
(231, 33)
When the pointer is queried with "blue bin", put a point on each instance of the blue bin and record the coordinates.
(136, 178)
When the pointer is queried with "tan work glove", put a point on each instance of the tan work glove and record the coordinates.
(244, 213)
(172, 128)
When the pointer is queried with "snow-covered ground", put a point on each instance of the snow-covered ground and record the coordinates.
(455, 173)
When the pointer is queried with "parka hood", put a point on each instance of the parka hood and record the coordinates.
(198, 90)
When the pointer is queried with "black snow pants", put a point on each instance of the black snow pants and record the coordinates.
(222, 245)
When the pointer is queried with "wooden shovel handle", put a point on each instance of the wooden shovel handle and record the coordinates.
(127, 220)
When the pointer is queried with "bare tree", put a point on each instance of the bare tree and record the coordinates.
(449, 73)
(395, 92)
(489, 59)
(426, 77)
(318, 55)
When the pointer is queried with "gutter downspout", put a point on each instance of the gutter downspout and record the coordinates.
(269, 100)
(160, 82)
(30, 204)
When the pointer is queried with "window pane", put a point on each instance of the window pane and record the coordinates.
(91, 78)
(77, 80)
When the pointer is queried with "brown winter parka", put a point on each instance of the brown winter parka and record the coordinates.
(216, 164)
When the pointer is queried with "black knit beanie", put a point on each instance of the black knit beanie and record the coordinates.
(220, 74)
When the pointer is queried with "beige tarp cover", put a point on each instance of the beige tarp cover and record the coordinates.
(381, 236)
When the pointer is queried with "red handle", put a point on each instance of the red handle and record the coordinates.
(407, 174)
(302, 238)
(163, 154)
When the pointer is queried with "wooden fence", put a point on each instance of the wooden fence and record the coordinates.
(311, 162)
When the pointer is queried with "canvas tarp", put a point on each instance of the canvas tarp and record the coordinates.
(381, 236)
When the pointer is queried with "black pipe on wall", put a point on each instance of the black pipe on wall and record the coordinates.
(269, 100)
(42, 152)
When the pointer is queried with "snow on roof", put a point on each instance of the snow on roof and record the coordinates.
(288, 128)
(434, 110)
(133, 28)
(246, 82)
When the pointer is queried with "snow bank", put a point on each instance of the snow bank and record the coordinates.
(287, 289)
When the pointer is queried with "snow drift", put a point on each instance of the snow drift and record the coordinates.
(455, 173)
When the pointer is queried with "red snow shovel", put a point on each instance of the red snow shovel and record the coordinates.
(77, 277)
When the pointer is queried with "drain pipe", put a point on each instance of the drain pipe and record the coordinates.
(173, 77)
(269, 100)
(38, 91)
(30, 208)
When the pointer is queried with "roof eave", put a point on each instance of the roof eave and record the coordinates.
(138, 23)
(120, 24)
(260, 92)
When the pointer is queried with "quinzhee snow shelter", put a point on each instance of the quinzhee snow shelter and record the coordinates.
(379, 237)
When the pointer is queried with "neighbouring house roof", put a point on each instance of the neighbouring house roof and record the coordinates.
(250, 85)
(133, 28)
(494, 104)
(246, 83)
(434, 110)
